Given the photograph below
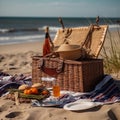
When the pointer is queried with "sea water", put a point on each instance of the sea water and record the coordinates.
(28, 29)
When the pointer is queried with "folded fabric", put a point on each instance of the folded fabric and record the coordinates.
(106, 92)
(103, 82)
(5, 79)
(8, 81)
(7, 86)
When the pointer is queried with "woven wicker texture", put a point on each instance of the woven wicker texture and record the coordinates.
(76, 76)
(77, 36)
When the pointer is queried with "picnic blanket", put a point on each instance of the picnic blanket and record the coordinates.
(105, 92)
(12, 81)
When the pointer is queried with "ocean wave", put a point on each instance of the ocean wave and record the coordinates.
(19, 39)
(18, 30)
(114, 26)
(7, 30)
(52, 28)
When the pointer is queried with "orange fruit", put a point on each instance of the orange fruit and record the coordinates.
(27, 91)
(34, 90)
(45, 92)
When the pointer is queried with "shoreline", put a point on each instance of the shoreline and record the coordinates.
(21, 47)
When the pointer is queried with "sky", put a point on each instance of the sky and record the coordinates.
(63, 8)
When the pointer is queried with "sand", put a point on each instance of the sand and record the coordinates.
(24, 111)
(16, 59)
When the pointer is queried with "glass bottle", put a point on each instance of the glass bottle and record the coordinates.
(46, 45)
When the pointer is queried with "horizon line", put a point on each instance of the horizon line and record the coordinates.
(56, 17)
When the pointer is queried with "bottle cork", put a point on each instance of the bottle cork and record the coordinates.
(47, 29)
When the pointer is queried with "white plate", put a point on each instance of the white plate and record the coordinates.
(75, 106)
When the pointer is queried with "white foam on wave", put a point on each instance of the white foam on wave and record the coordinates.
(4, 30)
(51, 28)
(19, 39)
(114, 26)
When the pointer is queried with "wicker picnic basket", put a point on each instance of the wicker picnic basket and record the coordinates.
(73, 75)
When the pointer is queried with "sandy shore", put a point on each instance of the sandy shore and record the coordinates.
(16, 59)
(9, 111)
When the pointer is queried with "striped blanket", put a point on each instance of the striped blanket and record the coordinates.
(7, 81)
(105, 92)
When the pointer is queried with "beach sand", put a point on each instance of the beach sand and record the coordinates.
(24, 111)
(16, 59)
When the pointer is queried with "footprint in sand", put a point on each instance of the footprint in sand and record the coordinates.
(13, 114)
(3, 108)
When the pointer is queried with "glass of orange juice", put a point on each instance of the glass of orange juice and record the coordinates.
(56, 90)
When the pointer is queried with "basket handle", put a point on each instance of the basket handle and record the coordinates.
(51, 71)
(61, 22)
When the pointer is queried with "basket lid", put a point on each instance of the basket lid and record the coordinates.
(76, 36)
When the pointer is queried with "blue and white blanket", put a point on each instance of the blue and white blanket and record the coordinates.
(105, 92)
(7, 81)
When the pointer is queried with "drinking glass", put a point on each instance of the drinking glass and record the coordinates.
(56, 90)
